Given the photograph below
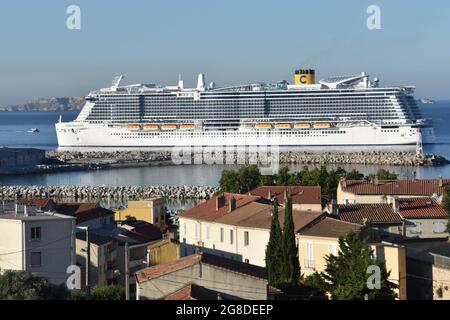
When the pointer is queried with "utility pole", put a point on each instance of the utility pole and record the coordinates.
(127, 273)
(88, 263)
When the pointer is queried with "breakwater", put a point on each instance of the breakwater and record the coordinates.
(86, 193)
(390, 158)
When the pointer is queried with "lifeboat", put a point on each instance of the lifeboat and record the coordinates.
(151, 127)
(263, 126)
(187, 126)
(322, 125)
(168, 127)
(134, 126)
(302, 125)
(283, 125)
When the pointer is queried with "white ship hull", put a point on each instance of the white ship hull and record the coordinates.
(84, 134)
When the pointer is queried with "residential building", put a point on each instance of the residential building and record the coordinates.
(151, 210)
(304, 198)
(377, 191)
(320, 238)
(163, 251)
(37, 241)
(230, 278)
(424, 218)
(383, 218)
(234, 226)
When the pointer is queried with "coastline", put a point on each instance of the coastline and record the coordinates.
(66, 161)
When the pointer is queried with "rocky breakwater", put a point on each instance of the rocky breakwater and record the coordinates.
(117, 156)
(389, 158)
(80, 193)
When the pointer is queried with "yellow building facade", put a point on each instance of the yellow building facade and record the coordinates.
(163, 252)
(150, 210)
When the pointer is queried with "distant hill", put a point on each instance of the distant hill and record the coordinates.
(48, 104)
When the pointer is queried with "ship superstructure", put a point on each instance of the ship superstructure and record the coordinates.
(346, 110)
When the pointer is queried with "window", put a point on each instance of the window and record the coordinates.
(207, 232)
(196, 231)
(36, 233)
(438, 227)
(246, 238)
(36, 259)
(221, 234)
(416, 228)
(332, 249)
(309, 255)
(231, 237)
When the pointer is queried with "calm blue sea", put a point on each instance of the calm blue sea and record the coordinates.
(14, 128)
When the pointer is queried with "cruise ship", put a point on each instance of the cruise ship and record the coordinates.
(345, 110)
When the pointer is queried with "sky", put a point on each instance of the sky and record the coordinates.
(231, 41)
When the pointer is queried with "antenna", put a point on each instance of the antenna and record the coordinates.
(116, 81)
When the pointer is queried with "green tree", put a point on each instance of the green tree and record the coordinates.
(283, 176)
(274, 248)
(383, 174)
(108, 292)
(446, 205)
(266, 180)
(249, 177)
(354, 175)
(291, 267)
(129, 218)
(229, 181)
(22, 285)
(345, 275)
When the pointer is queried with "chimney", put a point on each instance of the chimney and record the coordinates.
(440, 182)
(218, 201)
(334, 210)
(344, 183)
(16, 209)
(395, 203)
(376, 179)
(269, 196)
(414, 175)
(231, 204)
(25, 210)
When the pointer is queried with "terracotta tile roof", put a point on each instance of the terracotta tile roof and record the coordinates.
(259, 216)
(422, 208)
(374, 213)
(300, 194)
(328, 227)
(207, 210)
(83, 211)
(193, 292)
(396, 187)
(143, 232)
(205, 258)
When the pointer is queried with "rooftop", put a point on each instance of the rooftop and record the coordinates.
(249, 212)
(374, 213)
(300, 194)
(422, 208)
(83, 211)
(328, 227)
(204, 258)
(193, 292)
(396, 187)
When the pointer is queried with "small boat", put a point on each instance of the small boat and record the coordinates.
(34, 130)
(302, 125)
(168, 127)
(282, 126)
(263, 126)
(187, 126)
(151, 127)
(134, 126)
(322, 125)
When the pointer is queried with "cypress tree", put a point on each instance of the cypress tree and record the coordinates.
(291, 265)
(274, 249)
